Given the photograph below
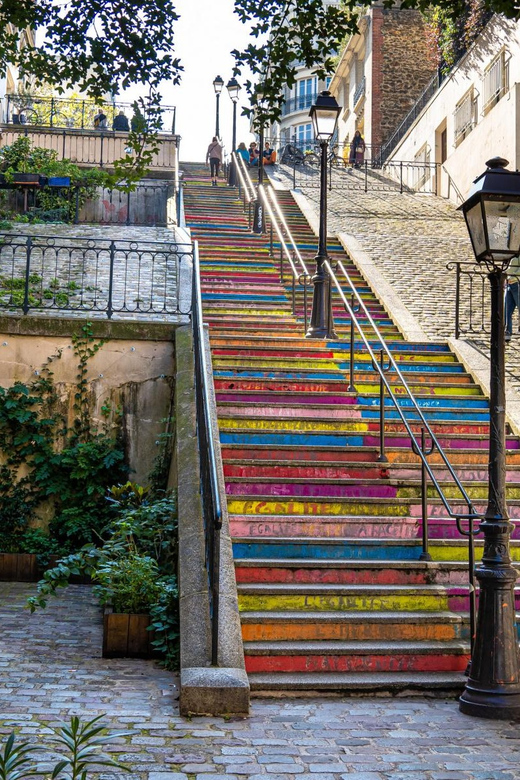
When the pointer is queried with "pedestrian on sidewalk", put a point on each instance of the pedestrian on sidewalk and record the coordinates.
(511, 302)
(214, 157)
(357, 150)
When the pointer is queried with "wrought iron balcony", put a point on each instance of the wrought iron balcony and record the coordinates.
(360, 91)
(298, 103)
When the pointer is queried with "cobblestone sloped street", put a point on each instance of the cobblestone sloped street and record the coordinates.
(411, 238)
(51, 669)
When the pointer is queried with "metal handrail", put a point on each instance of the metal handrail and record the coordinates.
(420, 448)
(211, 503)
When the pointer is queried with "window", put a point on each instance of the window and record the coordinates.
(304, 134)
(328, 79)
(496, 82)
(421, 168)
(465, 116)
(305, 92)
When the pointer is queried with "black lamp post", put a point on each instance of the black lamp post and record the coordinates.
(492, 214)
(218, 84)
(259, 216)
(324, 114)
(233, 88)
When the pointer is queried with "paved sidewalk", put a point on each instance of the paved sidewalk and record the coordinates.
(50, 668)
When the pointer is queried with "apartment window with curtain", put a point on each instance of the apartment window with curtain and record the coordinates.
(496, 81)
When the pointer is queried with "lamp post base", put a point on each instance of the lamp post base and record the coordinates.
(232, 174)
(493, 705)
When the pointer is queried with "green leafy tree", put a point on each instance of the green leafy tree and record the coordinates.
(99, 48)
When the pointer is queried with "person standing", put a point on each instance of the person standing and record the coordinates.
(357, 150)
(512, 291)
(214, 157)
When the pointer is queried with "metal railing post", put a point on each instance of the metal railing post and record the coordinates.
(425, 555)
(28, 249)
(128, 208)
(110, 309)
(457, 300)
(351, 386)
(366, 176)
(401, 177)
(382, 455)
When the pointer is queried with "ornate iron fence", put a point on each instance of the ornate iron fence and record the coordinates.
(41, 273)
(473, 299)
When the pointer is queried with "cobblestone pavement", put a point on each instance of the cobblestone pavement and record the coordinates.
(70, 267)
(50, 668)
(411, 238)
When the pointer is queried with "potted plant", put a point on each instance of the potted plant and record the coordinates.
(133, 572)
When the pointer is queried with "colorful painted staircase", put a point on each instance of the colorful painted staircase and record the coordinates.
(326, 538)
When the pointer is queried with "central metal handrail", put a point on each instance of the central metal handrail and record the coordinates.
(211, 503)
(384, 363)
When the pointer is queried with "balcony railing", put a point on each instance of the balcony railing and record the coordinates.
(360, 91)
(71, 113)
(299, 103)
(90, 147)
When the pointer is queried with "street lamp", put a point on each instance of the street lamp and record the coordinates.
(233, 88)
(218, 84)
(324, 114)
(492, 214)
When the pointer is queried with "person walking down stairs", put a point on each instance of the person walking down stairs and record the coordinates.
(214, 157)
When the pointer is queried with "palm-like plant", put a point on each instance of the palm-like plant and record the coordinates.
(82, 742)
(15, 761)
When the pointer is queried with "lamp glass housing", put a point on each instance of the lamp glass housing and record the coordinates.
(324, 115)
(233, 88)
(218, 85)
(494, 227)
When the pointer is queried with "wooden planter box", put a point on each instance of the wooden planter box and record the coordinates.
(126, 636)
(18, 567)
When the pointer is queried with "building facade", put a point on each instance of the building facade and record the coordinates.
(380, 73)
(473, 115)
(11, 81)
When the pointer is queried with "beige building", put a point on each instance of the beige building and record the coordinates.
(473, 115)
(10, 81)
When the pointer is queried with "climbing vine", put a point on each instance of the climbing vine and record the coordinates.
(449, 37)
(44, 459)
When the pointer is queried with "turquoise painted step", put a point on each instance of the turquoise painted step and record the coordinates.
(320, 549)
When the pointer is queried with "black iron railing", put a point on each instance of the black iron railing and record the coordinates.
(75, 113)
(473, 299)
(298, 103)
(206, 432)
(42, 273)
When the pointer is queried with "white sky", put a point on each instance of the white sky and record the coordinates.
(204, 36)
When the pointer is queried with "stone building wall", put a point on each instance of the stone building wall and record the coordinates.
(403, 68)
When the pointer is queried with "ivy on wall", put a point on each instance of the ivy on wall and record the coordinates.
(449, 38)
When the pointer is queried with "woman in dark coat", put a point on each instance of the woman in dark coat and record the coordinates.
(357, 150)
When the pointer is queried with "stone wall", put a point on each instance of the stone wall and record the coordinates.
(133, 372)
(402, 70)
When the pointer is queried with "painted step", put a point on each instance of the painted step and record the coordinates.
(361, 657)
(361, 626)
(323, 549)
(367, 572)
